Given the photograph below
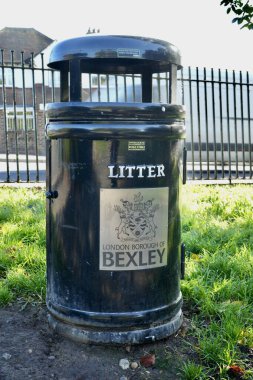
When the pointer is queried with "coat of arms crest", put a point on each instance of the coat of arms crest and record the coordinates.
(136, 219)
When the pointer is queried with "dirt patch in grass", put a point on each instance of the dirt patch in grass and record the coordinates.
(29, 349)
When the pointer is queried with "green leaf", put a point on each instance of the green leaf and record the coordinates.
(240, 20)
(238, 11)
(224, 2)
(247, 8)
(238, 3)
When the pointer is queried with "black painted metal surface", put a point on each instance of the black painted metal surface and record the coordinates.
(116, 54)
(82, 157)
(113, 190)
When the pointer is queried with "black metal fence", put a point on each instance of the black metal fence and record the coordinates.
(219, 123)
(219, 107)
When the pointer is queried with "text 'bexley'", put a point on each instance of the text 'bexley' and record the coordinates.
(134, 260)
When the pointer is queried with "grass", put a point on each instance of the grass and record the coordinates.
(22, 245)
(218, 288)
(192, 371)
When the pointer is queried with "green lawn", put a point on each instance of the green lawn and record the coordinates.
(218, 287)
(22, 245)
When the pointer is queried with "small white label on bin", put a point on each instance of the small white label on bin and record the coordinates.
(133, 228)
(136, 145)
(128, 53)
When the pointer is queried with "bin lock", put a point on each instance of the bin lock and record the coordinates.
(53, 194)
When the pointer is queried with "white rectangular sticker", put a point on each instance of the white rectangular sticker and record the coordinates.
(136, 146)
(133, 228)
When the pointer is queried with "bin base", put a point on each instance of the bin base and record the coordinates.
(119, 336)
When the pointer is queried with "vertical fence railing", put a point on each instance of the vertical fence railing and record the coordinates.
(14, 105)
(26, 87)
(5, 147)
(35, 123)
(25, 118)
(228, 127)
(218, 105)
(249, 119)
(219, 123)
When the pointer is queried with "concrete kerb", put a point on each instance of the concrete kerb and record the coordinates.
(28, 185)
(21, 157)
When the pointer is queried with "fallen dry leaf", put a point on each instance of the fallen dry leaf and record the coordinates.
(235, 372)
(147, 360)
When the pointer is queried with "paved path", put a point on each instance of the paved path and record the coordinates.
(30, 170)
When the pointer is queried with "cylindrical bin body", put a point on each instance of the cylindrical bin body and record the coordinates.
(113, 220)
(113, 189)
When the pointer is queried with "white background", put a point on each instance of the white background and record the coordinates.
(201, 29)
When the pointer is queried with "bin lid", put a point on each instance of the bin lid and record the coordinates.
(116, 54)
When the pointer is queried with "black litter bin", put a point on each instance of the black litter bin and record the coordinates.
(113, 189)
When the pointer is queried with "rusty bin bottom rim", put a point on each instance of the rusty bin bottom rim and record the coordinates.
(130, 336)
